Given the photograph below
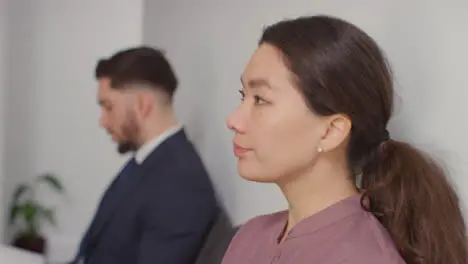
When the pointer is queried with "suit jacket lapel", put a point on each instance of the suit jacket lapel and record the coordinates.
(120, 199)
(154, 158)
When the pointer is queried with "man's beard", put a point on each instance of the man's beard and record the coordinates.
(130, 132)
(125, 147)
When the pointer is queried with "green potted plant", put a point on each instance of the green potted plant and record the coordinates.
(26, 207)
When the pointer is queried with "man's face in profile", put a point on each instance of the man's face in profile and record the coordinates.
(118, 115)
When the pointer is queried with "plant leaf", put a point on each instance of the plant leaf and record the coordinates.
(14, 210)
(52, 181)
(22, 188)
(49, 216)
(29, 210)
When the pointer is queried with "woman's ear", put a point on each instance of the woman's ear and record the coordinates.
(338, 127)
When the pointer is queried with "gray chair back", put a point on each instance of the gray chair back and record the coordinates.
(218, 240)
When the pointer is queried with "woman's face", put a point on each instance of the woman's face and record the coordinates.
(276, 134)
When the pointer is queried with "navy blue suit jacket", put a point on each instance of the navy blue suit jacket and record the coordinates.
(163, 217)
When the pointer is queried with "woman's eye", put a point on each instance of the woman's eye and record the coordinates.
(259, 100)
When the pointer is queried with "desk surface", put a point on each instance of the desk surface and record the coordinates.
(11, 255)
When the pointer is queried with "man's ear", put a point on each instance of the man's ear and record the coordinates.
(144, 102)
(338, 127)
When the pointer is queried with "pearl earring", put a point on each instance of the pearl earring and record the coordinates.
(319, 149)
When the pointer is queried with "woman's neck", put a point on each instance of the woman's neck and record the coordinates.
(311, 192)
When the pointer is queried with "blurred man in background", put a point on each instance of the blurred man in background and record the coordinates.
(160, 207)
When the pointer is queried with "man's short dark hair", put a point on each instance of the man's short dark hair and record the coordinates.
(142, 65)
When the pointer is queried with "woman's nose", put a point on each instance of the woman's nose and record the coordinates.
(236, 121)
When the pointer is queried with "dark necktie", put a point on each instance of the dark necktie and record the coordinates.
(116, 189)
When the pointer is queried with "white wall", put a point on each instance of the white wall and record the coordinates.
(210, 41)
(52, 114)
(3, 87)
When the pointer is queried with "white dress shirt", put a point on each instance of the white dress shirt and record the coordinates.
(146, 149)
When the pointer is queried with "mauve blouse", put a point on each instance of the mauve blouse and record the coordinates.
(343, 233)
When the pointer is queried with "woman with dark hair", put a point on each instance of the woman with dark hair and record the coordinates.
(317, 96)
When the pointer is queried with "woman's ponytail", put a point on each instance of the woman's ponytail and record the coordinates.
(411, 196)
